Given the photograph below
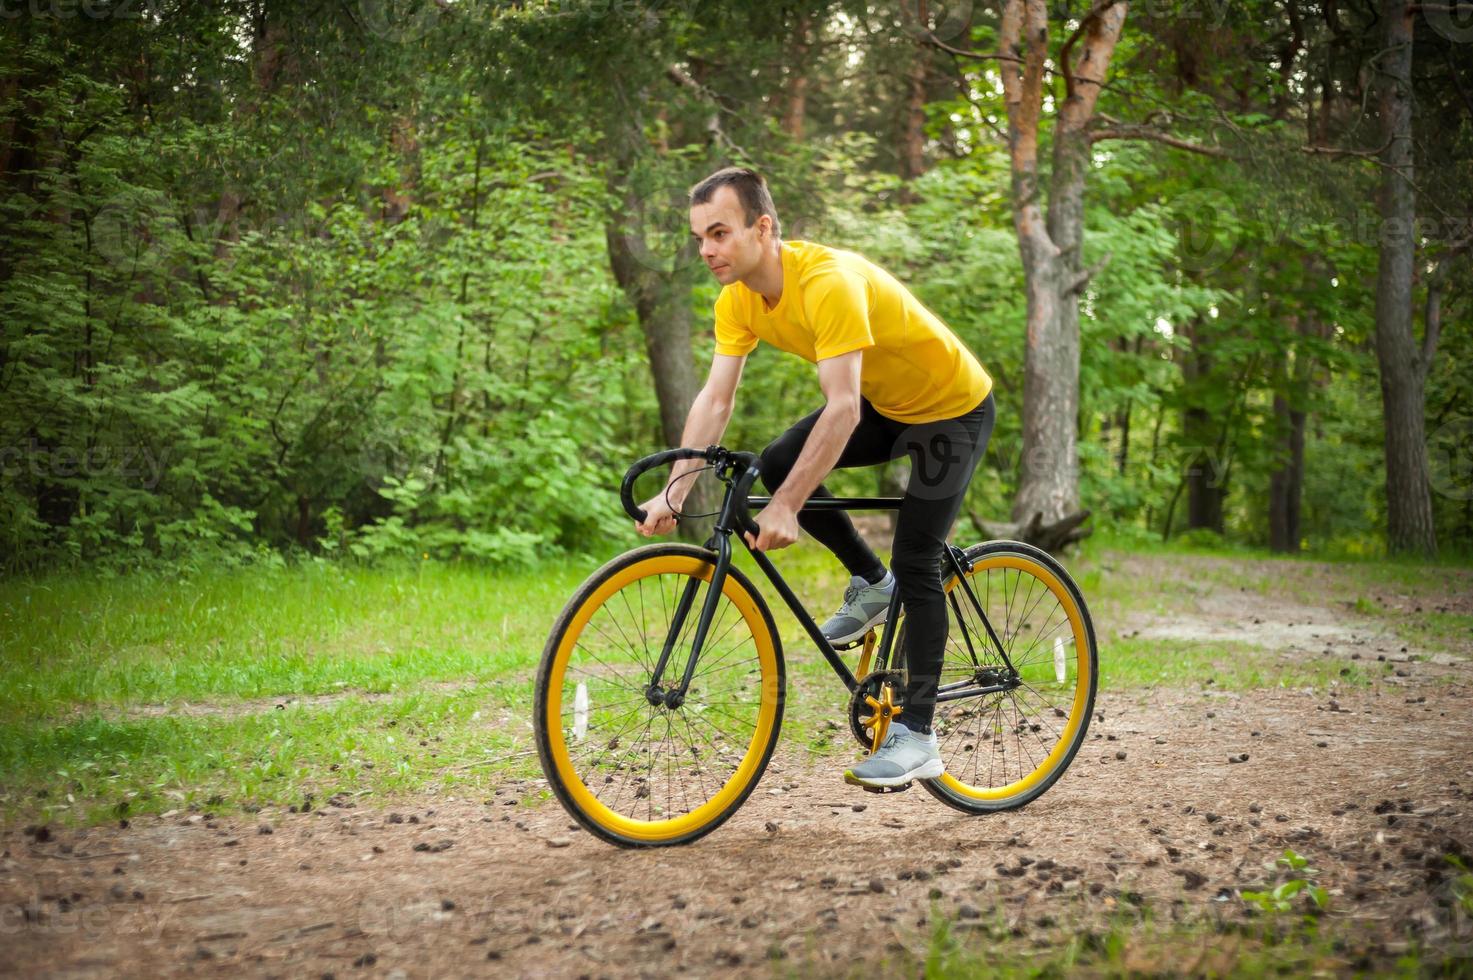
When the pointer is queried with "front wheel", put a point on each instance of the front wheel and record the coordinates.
(1003, 750)
(637, 774)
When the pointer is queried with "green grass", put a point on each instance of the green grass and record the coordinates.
(1354, 589)
(94, 768)
(1138, 942)
(95, 673)
(1131, 947)
(69, 643)
(1312, 579)
(1136, 663)
(1139, 542)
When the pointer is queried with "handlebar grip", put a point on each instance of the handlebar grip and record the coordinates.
(640, 467)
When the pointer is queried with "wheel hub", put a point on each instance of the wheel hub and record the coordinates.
(995, 677)
(663, 697)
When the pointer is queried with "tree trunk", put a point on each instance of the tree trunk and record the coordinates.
(403, 141)
(1409, 526)
(1122, 422)
(1053, 538)
(1051, 251)
(661, 300)
(797, 86)
(1287, 480)
(1204, 475)
(913, 140)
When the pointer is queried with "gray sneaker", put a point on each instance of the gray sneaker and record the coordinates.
(864, 606)
(904, 757)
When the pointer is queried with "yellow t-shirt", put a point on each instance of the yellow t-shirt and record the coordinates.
(833, 302)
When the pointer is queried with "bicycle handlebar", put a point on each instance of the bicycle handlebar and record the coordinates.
(716, 456)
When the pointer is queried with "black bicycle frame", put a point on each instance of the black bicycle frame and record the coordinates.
(720, 542)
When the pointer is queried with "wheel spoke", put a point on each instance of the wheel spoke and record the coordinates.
(991, 742)
(651, 763)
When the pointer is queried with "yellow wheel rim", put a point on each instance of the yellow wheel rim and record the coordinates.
(669, 828)
(1082, 682)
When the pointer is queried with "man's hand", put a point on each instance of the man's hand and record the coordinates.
(779, 526)
(658, 516)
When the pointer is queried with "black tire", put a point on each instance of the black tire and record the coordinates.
(1028, 714)
(569, 775)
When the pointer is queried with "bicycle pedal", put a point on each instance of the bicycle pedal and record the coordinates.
(887, 789)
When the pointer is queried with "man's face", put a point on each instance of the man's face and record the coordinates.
(729, 248)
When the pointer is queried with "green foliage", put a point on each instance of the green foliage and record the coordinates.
(1281, 897)
(1462, 885)
(318, 283)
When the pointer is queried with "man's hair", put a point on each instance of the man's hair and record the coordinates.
(750, 189)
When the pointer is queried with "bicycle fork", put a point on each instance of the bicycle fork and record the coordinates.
(674, 697)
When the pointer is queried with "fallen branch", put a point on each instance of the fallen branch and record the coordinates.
(1052, 538)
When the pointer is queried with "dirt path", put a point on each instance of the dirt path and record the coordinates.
(1374, 786)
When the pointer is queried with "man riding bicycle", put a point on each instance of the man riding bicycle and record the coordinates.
(896, 382)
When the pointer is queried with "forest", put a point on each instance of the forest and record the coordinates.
(401, 279)
(329, 329)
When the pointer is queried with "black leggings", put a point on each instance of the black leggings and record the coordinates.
(943, 455)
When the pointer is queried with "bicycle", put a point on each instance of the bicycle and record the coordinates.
(653, 726)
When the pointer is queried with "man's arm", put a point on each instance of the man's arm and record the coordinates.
(704, 426)
(839, 378)
(706, 422)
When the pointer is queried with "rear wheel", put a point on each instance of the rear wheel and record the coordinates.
(1003, 750)
(638, 774)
